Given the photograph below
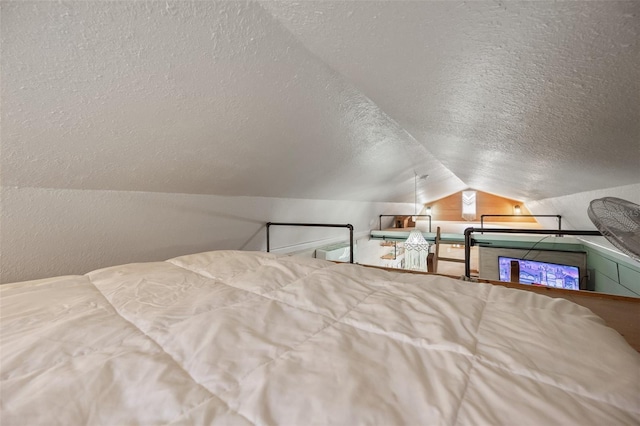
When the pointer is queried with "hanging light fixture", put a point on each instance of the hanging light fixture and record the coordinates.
(415, 195)
(416, 250)
(516, 209)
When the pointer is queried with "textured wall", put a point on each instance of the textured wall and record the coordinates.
(573, 208)
(113, 112)
(47, 232)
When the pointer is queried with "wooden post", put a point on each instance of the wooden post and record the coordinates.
(430, 262)
(515, 271)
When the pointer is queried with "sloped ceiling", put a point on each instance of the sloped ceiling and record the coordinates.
(526, 99)
(321, 100)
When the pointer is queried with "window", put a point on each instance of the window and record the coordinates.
(469, 205)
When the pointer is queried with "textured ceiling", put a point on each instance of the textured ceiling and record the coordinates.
(526, 99)
(326, 100)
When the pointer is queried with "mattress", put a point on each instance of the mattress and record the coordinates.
(243, 338)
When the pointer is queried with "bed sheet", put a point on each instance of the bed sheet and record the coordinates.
(231, 337)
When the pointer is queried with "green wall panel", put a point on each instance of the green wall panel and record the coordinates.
(630, 279)
(604, 266)
(606, 285)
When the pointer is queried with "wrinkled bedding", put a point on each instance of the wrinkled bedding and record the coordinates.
(242, 338)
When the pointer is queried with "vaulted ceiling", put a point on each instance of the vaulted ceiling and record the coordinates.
(317, 99)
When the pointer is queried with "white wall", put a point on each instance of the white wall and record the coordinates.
(573, 208)
(47, 232)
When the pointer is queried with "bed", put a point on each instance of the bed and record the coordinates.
(243, 338)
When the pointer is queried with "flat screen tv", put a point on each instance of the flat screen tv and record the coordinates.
(541, 273)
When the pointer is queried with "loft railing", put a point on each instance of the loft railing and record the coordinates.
(469, 241)
(557, 216)
(318, 225)
(413, 215)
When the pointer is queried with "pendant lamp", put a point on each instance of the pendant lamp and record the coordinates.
(416, 250)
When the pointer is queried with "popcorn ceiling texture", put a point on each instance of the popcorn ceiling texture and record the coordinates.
(321, 100)
(529, 100)
(203, 97)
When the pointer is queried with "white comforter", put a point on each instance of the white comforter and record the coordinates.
(250, 338)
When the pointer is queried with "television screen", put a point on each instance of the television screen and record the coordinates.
(541, 273)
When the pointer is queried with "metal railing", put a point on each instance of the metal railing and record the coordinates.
(414, 215)
(559, 217)
(318, 225)
(468, 239)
